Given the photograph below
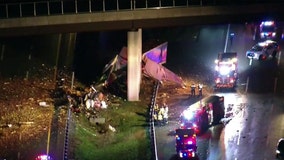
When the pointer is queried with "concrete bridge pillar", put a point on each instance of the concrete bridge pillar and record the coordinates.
(134, 54)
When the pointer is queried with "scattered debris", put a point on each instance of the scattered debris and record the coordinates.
(111, 128)
(43, 104)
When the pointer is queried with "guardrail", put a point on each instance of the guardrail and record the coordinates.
(152, 122)
(60, 7)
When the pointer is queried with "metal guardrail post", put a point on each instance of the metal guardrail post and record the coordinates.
(20, 6)
(104, 6)
(48, 8)
(34, 4)
(146, 5)
(76, 6)
(62, 10)
(90, 6)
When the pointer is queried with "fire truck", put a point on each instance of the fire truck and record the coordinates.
(186, 147)
(226, 70)
(203, 114)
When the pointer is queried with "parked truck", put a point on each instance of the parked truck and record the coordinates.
(226, 70)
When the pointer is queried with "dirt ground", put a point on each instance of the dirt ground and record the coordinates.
(27, 109)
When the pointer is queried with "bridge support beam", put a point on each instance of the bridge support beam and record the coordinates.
(134, 54)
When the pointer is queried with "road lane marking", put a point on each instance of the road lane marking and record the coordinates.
(279, 57)
(227, 36)
(239, 137)
(269, 128)
(247, 85)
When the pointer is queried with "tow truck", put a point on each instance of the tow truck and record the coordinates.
(203, 114)
(226, 70)
(186, 147)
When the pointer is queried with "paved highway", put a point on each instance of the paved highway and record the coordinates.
(257, 122)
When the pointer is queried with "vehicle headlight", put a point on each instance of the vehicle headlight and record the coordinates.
(216, 68)
(187, 114)
(224, 70)
(233, 67)
(277, 151)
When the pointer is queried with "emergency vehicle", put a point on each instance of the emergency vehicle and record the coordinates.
(186, 147)
(43, 157)
(203, 114)
(226, 70)
(267, 30)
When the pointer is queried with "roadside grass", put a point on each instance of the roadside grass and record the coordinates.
(129, 141)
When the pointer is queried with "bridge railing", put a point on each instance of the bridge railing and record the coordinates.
(19, 9)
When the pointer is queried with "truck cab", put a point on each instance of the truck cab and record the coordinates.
(226, 70)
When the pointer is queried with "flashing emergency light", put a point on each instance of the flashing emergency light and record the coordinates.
(177, 137)
(189, 142)
(267, 23)
(43, 157)
(181, 155)
(188, 153)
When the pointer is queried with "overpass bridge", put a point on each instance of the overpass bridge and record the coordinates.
(20, 17)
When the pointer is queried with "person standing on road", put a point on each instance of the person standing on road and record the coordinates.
(200, 86)
(156, 111)
(193, 89)
(160, 116)
(166, 115)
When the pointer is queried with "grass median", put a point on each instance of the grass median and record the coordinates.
(129, 141)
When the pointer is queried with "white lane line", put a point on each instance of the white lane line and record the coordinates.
(227, 36)
(269, 128)
(279, 57)
(247, 85)
(239, 138)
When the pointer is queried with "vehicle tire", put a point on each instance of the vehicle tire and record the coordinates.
(274, 54)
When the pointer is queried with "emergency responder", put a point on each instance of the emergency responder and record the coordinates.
(156, 110)
(89, 98)
(166, 113)
(200, 86)
(232, 35)
(160, 116)
(193, 89)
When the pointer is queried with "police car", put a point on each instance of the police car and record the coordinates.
(263, 50)
(267, 30)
